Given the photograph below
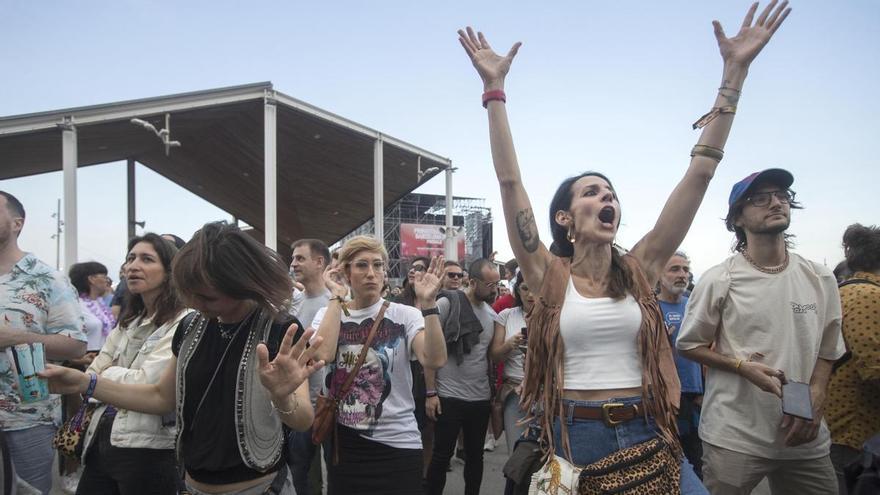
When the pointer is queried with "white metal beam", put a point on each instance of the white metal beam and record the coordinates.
(450, 247)
(379, 190)
(270, 202)
(68, 165)
(131, 198)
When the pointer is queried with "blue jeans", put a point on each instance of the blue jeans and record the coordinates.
(512, 415)
(301, 453)
(591, 440)
(32, 454)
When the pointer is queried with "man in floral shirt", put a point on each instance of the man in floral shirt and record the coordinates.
(37, 304)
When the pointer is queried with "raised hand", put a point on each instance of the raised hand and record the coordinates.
(751, 39)
(292, 365)
(492, 67)
(426, 284)
(335, 281)
(63, 380)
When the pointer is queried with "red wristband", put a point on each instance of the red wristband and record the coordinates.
(495, 94)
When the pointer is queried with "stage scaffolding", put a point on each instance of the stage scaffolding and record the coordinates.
(469, 214)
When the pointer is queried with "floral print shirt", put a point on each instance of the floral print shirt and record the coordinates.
(34, 298)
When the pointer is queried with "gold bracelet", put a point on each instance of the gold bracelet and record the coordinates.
(342, 304)
(710, 116)
(739, 363)
(708, 151)
(287, 413)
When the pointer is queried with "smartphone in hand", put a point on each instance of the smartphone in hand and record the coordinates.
(796, 400)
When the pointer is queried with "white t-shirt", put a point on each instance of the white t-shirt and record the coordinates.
(792, 317)
(93, 327)
(513, 321)
(469, 380)
(380, 403)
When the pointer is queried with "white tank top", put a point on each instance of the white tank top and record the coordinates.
(600, 341)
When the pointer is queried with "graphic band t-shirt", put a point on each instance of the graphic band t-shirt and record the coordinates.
(689, 372)
(380, 403)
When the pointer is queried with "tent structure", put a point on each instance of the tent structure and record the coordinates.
(283, 166)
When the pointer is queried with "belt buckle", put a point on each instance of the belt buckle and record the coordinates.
(606, 413)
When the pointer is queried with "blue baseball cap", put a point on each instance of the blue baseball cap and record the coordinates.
(775, 176)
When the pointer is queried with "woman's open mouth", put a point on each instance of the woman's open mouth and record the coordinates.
(606, 215)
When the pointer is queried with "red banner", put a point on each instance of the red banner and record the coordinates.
(427, 240)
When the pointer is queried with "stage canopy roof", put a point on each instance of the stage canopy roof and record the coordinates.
(325, 163)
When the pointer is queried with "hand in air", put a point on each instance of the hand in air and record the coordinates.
(491, 66)
(427, 284)
(292, 365)
(751, 39)
(334, 281)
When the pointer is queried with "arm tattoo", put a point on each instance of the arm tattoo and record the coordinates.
(731, 99)
(527, 230)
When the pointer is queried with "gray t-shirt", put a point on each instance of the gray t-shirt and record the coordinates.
(307, 309)
(470, 380)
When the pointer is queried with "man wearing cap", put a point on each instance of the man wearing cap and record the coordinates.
(773, 317)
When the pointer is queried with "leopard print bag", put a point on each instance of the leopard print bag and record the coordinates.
(648, 468)
(69, 439)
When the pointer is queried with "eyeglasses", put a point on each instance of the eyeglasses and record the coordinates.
(455, 275)
(364, 266)
(763, 198)
(417, 268)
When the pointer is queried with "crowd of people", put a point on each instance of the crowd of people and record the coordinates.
(215, 367)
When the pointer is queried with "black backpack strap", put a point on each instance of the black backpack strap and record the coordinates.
(852, 281)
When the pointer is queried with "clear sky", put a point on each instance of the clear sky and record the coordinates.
(606, 86)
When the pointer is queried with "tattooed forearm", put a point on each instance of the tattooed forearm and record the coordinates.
(730, 94)
(731, 98)
(527, 230)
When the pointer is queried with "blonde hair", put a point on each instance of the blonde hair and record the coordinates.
(360, 243)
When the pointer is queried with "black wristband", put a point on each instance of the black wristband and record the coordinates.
(430, 311)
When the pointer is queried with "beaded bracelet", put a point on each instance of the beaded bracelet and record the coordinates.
(93, 382)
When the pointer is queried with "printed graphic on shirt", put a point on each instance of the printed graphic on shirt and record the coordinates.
(362, 407)
(673, 321)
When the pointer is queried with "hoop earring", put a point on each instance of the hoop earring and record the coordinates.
(570, 234)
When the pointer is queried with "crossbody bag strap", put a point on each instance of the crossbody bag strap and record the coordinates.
(343, 390)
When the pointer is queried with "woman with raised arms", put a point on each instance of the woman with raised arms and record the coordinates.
(599, 363)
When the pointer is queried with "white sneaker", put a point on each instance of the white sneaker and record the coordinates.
(489, 446)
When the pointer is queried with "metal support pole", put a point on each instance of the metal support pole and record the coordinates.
(378, 190)
(270, 172)
(69, 164)
(450, 247)
(131, 199)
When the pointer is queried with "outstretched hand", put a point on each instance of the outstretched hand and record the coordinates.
(493, 68)
(292, 365)
(64, 380)
(751, 39)
(426, 284)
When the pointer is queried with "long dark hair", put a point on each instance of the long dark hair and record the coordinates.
(619, 277)
(168, 304)
(222, 257)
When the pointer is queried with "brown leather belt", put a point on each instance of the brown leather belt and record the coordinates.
(611, 413)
